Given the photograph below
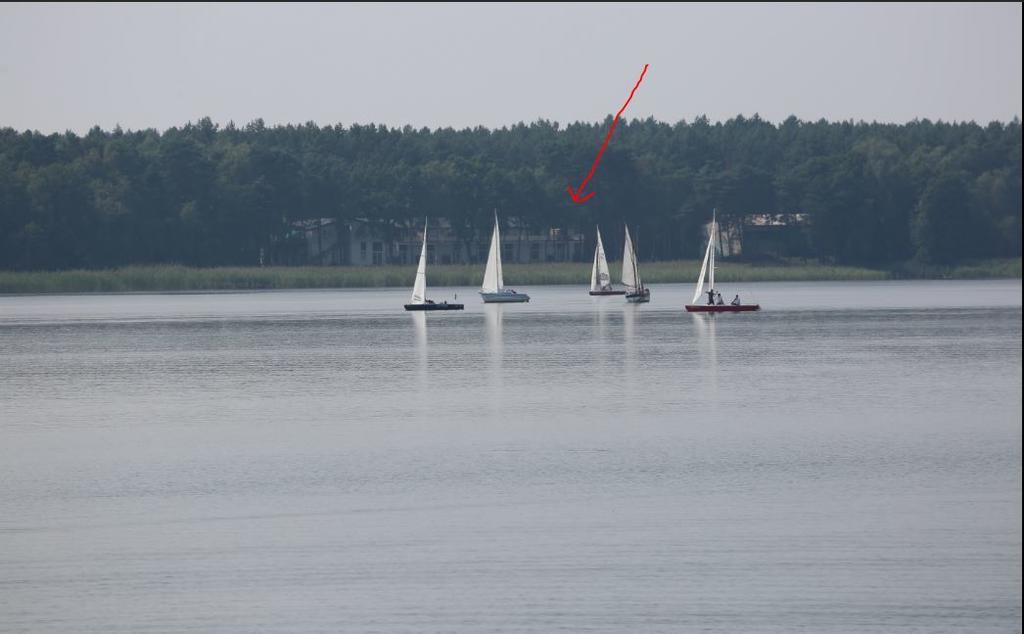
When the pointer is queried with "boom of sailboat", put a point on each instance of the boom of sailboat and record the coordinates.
(493, 289)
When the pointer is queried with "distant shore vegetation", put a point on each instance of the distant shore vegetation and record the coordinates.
(204, 195)
(182, 278)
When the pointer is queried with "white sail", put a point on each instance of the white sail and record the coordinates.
(593, 270)
(709, 257)
(630, 279)
(419, 289)
(703, 269)
(600, 277)
(493, 281)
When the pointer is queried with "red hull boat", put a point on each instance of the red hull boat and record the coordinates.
(727, 308)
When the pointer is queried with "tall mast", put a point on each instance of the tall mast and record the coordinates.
(714, 237)
(497, 240)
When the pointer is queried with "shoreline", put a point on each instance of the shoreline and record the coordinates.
(181, 278)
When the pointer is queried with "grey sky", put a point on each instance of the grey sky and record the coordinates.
(75, 66)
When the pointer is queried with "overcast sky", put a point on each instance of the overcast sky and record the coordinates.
(74, 66)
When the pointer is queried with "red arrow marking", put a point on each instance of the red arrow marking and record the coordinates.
(577, 195)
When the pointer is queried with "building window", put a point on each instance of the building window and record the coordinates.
(378, 253)
(555, 233)
(534, 252)
(362, 252)
(403, 253)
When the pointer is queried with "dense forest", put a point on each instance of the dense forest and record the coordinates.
(206, 195)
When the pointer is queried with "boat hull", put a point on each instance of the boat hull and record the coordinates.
(441, 306)
(504, 298)
(611, 292)
(639, 298)
(728, 308)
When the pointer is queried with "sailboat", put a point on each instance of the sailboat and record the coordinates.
(419, 299)
(600, 278)
(636, 292)
(712, 306)
(493, 288)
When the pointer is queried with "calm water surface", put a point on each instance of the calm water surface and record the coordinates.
(847, 460)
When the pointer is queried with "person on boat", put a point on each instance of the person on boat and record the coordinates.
(711, 297)
(718, 299)
(736, 301)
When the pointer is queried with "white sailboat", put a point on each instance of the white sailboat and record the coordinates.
(493, 288)
(636, 292)
(715, 304)
(419, 300)
(600, 278)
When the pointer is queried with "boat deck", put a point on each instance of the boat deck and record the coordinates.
(432, 306)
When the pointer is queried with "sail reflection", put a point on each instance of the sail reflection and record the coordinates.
(494, 316)
(419, 322)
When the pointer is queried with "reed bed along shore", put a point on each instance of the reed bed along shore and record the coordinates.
(181, 278)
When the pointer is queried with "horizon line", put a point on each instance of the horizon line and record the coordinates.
(231, 124)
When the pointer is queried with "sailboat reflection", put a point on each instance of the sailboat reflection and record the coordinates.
(601, 347)
(496, 344)
(630, 317)
(707, 343)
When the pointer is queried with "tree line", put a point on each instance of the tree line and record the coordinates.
(205, 195)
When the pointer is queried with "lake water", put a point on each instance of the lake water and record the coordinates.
(846, 460)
